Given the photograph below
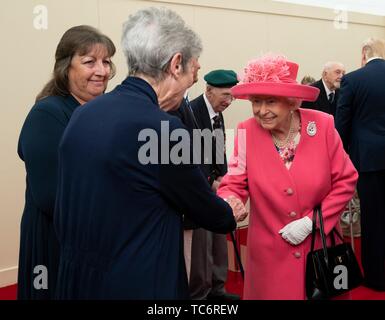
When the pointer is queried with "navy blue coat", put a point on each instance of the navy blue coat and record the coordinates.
(360, 116)
(118, 221)
(38, 148)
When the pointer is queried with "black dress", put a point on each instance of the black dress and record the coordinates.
(38, 146)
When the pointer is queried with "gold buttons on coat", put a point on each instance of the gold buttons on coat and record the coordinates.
(297, 254)
(292, 214)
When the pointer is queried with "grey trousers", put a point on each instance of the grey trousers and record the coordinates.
(209, 264)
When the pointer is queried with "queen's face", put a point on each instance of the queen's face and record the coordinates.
(272, 113)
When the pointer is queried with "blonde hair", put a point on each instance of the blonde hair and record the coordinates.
(373, 47)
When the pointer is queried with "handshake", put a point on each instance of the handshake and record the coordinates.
(239, 211)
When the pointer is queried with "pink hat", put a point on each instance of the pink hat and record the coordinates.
(272, 75)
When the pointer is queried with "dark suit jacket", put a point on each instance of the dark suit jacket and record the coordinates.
(360, 118)
(186, 115)
(322, 102)
(119, 219)
(203, 119)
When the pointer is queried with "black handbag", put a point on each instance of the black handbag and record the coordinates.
(330, 271)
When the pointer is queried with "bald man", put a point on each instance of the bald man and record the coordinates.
(329, 86)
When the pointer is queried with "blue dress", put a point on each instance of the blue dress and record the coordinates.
(38, 147)
(119, 220)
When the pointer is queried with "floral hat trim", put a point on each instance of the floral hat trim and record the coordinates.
(269, 68)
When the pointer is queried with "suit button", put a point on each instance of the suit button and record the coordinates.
(292, 214)
(297, 254)
(289, 191)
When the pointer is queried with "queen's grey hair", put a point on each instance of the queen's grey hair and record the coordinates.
(152, 36)
(294, 102)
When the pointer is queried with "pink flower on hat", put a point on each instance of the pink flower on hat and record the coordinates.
(269, 68)
(272, 75)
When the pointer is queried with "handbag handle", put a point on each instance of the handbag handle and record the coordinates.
(317, 212)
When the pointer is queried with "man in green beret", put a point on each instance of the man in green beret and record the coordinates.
(209, 261)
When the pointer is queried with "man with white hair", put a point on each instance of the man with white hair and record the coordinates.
(329, 86)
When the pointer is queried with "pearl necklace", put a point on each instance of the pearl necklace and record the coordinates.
(283, 143)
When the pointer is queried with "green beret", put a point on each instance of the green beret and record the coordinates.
(221, 78)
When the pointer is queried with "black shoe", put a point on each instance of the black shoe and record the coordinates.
(224, 297)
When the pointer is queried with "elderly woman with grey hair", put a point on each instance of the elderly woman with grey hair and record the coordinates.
(122, 189)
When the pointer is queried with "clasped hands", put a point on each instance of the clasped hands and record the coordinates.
(239, 211)
(294, 232)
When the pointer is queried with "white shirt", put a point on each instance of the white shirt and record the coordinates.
(210, 109)
(372, 58)
(327, 89)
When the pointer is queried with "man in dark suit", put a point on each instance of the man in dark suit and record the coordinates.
(329, 86)
(360, 121)
(209, 261)
(186, 115)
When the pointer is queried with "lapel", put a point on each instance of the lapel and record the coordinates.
(189, 113)
(323, 99)
(333, 106)
(322, 103)
(337, 93)
(201, 113)
(223, 121)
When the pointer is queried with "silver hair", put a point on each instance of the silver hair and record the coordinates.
(330, 64)
(152, 36)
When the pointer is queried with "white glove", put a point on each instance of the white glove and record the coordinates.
(295, 232)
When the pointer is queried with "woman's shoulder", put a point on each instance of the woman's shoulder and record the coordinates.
(60, 107)
(248, 123)
(315, 115)
(52, 107)
(317, 121)
(50, 104)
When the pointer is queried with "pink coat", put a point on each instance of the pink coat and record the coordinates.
(320, 173)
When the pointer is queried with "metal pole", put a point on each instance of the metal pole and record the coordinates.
(237, 255)
(351, 224)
